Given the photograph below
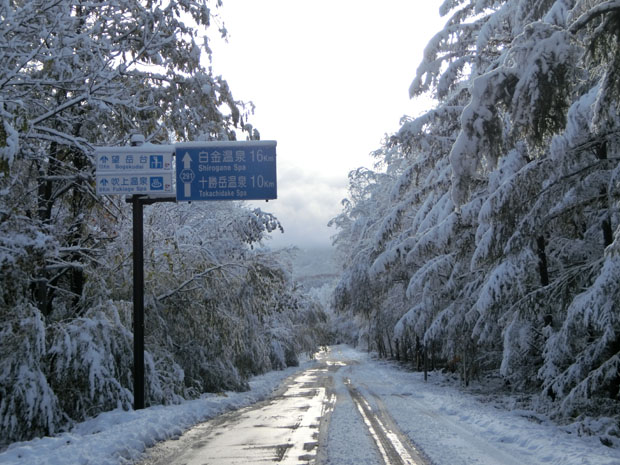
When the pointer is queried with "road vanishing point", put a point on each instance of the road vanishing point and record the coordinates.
(291, 427)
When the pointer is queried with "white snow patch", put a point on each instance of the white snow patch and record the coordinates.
(119, 437)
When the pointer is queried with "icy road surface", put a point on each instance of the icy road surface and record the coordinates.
(290, 428)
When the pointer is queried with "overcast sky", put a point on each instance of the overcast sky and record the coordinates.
(329, 79)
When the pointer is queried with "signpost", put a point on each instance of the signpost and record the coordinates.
(230, 170)
(204, 171)
(145, 172)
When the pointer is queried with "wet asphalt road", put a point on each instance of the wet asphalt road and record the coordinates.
(289, 428)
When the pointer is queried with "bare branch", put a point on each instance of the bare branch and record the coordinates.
(194, 278)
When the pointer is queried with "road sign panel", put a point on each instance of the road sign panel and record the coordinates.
(144, 169)
(130, 183)
(145, 157)
(234, 170)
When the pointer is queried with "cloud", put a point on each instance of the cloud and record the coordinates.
(329, 80)
(306, 202)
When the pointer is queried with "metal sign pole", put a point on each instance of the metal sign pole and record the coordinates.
(138, 303)
(225, 170)
(138, 203)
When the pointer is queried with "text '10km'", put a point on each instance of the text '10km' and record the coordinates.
(235, 170)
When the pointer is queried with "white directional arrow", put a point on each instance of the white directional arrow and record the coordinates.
(187, 175)
(187, 160)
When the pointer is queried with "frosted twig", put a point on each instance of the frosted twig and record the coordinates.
(195, 277)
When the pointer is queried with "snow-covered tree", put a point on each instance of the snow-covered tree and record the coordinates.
(76, 74)
(503, 216)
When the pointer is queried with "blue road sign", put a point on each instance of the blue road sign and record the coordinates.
(234, 170)
(146, 157)
(145, 169)
(130, 183)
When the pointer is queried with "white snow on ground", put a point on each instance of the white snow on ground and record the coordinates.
(451, 427)
(120, 437)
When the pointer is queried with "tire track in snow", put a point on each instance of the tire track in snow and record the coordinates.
(446, 425)
(392, 444)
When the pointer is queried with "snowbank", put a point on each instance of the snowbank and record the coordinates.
(118, 437)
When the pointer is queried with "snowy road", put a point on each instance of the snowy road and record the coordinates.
(349, 409)
(342, 409)
(394, 447)
(447, 426)
(290, 428)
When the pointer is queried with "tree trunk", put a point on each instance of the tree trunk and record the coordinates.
(608, 234)
(389, 342)
(542, 261)
(45, 203)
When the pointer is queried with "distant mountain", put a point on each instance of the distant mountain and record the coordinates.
(315, 267)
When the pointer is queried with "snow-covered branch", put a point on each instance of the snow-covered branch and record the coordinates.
(197, 276)
(593, 13)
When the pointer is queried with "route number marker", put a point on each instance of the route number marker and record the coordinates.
(229, 170)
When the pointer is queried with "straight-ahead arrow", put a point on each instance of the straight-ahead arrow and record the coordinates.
(187, 161)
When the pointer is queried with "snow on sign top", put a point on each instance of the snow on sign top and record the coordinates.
(230, 170)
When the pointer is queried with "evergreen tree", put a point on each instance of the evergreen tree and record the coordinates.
(503, 213)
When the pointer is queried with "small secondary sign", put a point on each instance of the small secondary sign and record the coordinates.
(125, 161)
(230, 170)
(143, 169)
(134, 183)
